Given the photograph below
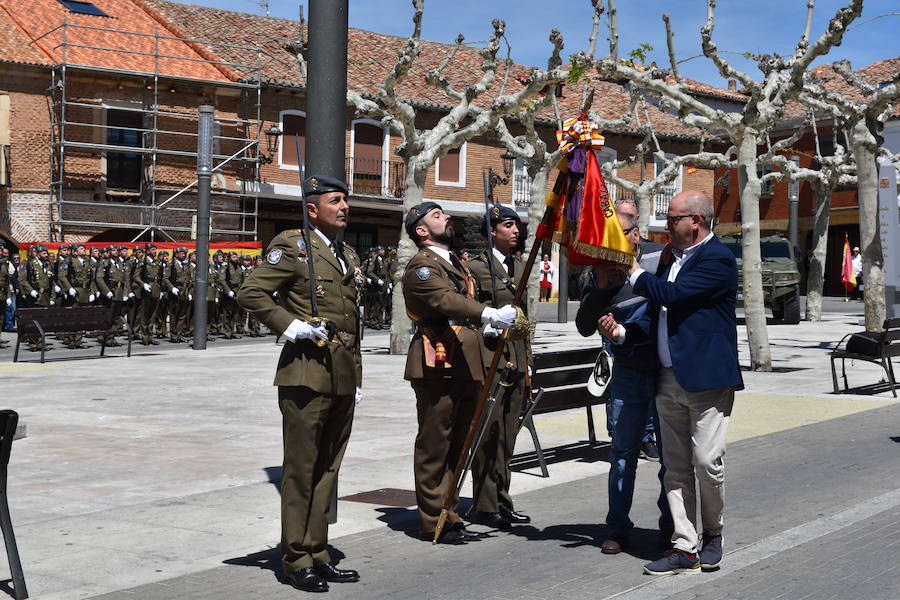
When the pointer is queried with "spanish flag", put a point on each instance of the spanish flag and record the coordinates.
(848, 276)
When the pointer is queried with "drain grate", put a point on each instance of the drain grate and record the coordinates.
(384, 497)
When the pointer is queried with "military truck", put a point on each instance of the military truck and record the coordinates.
(780, 276)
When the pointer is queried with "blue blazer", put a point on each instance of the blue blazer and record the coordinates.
(701, 323)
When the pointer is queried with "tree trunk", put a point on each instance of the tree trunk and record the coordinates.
(815, 276)
(642, 198)
(536, 205)
(865, 148)
(401, 326)
(754, 306)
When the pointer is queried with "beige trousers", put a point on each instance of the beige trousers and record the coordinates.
(693, 426)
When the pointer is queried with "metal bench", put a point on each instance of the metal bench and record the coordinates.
(877, 347)
(559, 382)
(75, 319)
(8, 421)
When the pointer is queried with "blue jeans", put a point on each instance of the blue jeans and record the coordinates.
(8, 311)
(631, 401)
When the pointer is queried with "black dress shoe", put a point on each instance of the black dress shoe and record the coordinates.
(307, 581)
(488, 518)
(469, 536)
(329, 572)
(448, 536)
(512, 516)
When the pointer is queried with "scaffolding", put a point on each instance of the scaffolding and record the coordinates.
(157, 138)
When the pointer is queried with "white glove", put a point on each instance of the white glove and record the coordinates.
(390, 288)
(52, 303)
(9, 301)
(147, 287)
(303, 330)
(230, 294)
(358, 398)
(109, 295)
(217, 300)
(91, 298)
(57, 289)
(491, 332)
(72, 292)
(174, 291)
(499, 317)
(368, 280)
(130, 295)
(34, 294)
(190, 298)
(380, 282)
(275, 294)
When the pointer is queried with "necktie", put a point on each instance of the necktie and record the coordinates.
(510, 262)
(456, 263)
(338, 252)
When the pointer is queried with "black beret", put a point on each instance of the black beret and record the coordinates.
(415, 215)
(181, 249)
(41, 248)
(163, 252)
(148, 246)
(322, 184)
(499, 213)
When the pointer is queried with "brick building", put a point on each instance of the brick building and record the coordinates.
(98, 105)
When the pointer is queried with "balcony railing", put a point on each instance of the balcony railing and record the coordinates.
(661, 201)
(521, 192)
(371, 177)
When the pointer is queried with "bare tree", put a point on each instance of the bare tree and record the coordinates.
(472, 114)
(864, 109)
(782, 81)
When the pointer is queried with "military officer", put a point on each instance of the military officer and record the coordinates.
(376, 277)
(177, 283)
(36, 279)
(147, 278)
(114, 285)
(247, 266)
(231, 285)
(493, 506)
(444, 364)
(317, 384)
(60, 295)
(76, 276)
(7, 271)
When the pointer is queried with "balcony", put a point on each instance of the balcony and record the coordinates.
(5, 177)
(372, 177)
(661, 201)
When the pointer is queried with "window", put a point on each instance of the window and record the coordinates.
(521, 185)
(124, 170)
(451, 169)
(665, 194)
(368, 158)
(83, 8)
(293, 124)
(767, 189)
(605, 155)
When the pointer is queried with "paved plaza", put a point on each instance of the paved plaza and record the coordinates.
(155, 477)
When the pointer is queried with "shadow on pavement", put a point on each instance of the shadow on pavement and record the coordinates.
(270, 560)
(578, 451)
(644, 543)
(404, 520)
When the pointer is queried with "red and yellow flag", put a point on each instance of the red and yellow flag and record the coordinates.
(848, 276)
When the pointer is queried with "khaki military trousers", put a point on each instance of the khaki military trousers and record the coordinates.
(444, 408)
(316, 428)
(491, 475)
(693, 426)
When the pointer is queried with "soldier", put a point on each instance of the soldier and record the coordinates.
(231, 285)
(216, 318)
(444, 364)
(391, 267)
(317, 384)
(376, 277)
(76, 276)
(247, 266)
(60, 295)
(159, 325)
(493, 506)
(133, 264)
(7, 271)
(114, 284)
(177, 283)
(147, 278)
(36, 279)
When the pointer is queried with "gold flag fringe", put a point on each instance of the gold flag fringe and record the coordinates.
(617, 256)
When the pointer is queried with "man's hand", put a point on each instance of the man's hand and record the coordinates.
(91, 298)
(491, 332)
(147, 287)
(634, 267)
(175, 291)
(33, 293)
(72, 292)
(109, 295)
(57, 289)
(230, 294)
(501, 318)
(608, 327)
(303, 330)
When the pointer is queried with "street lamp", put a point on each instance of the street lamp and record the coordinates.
(494, 179)
(272, 135)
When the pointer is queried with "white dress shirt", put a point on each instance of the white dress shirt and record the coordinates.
(329, 244)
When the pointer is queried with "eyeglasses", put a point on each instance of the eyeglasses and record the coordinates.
(672, 219)
(629, 230)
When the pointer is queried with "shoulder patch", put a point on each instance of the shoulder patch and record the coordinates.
(301, 245)
(423, 273)
(274, 256)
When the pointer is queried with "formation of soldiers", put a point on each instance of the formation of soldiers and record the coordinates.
(154, 292)
(378, 289)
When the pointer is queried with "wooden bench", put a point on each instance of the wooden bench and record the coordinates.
(871, 346)
(75, 319)
(559, 382)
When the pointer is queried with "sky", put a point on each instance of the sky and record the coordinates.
(755, 26)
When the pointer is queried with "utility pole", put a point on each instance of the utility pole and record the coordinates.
(204, 179)
(793, 203)
(326, 90)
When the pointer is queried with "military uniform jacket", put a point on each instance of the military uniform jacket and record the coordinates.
(150, 272)
(116, 278)
(435, 292)
(7, 270)
(178, 275)
(516, 351)
(231, 277)
(37, 275)
(78, 274)
(336, 368)
(376, 270)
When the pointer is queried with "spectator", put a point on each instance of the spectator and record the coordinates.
(856, 294)
(546, 271)
(632, 387)
(691, 318)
